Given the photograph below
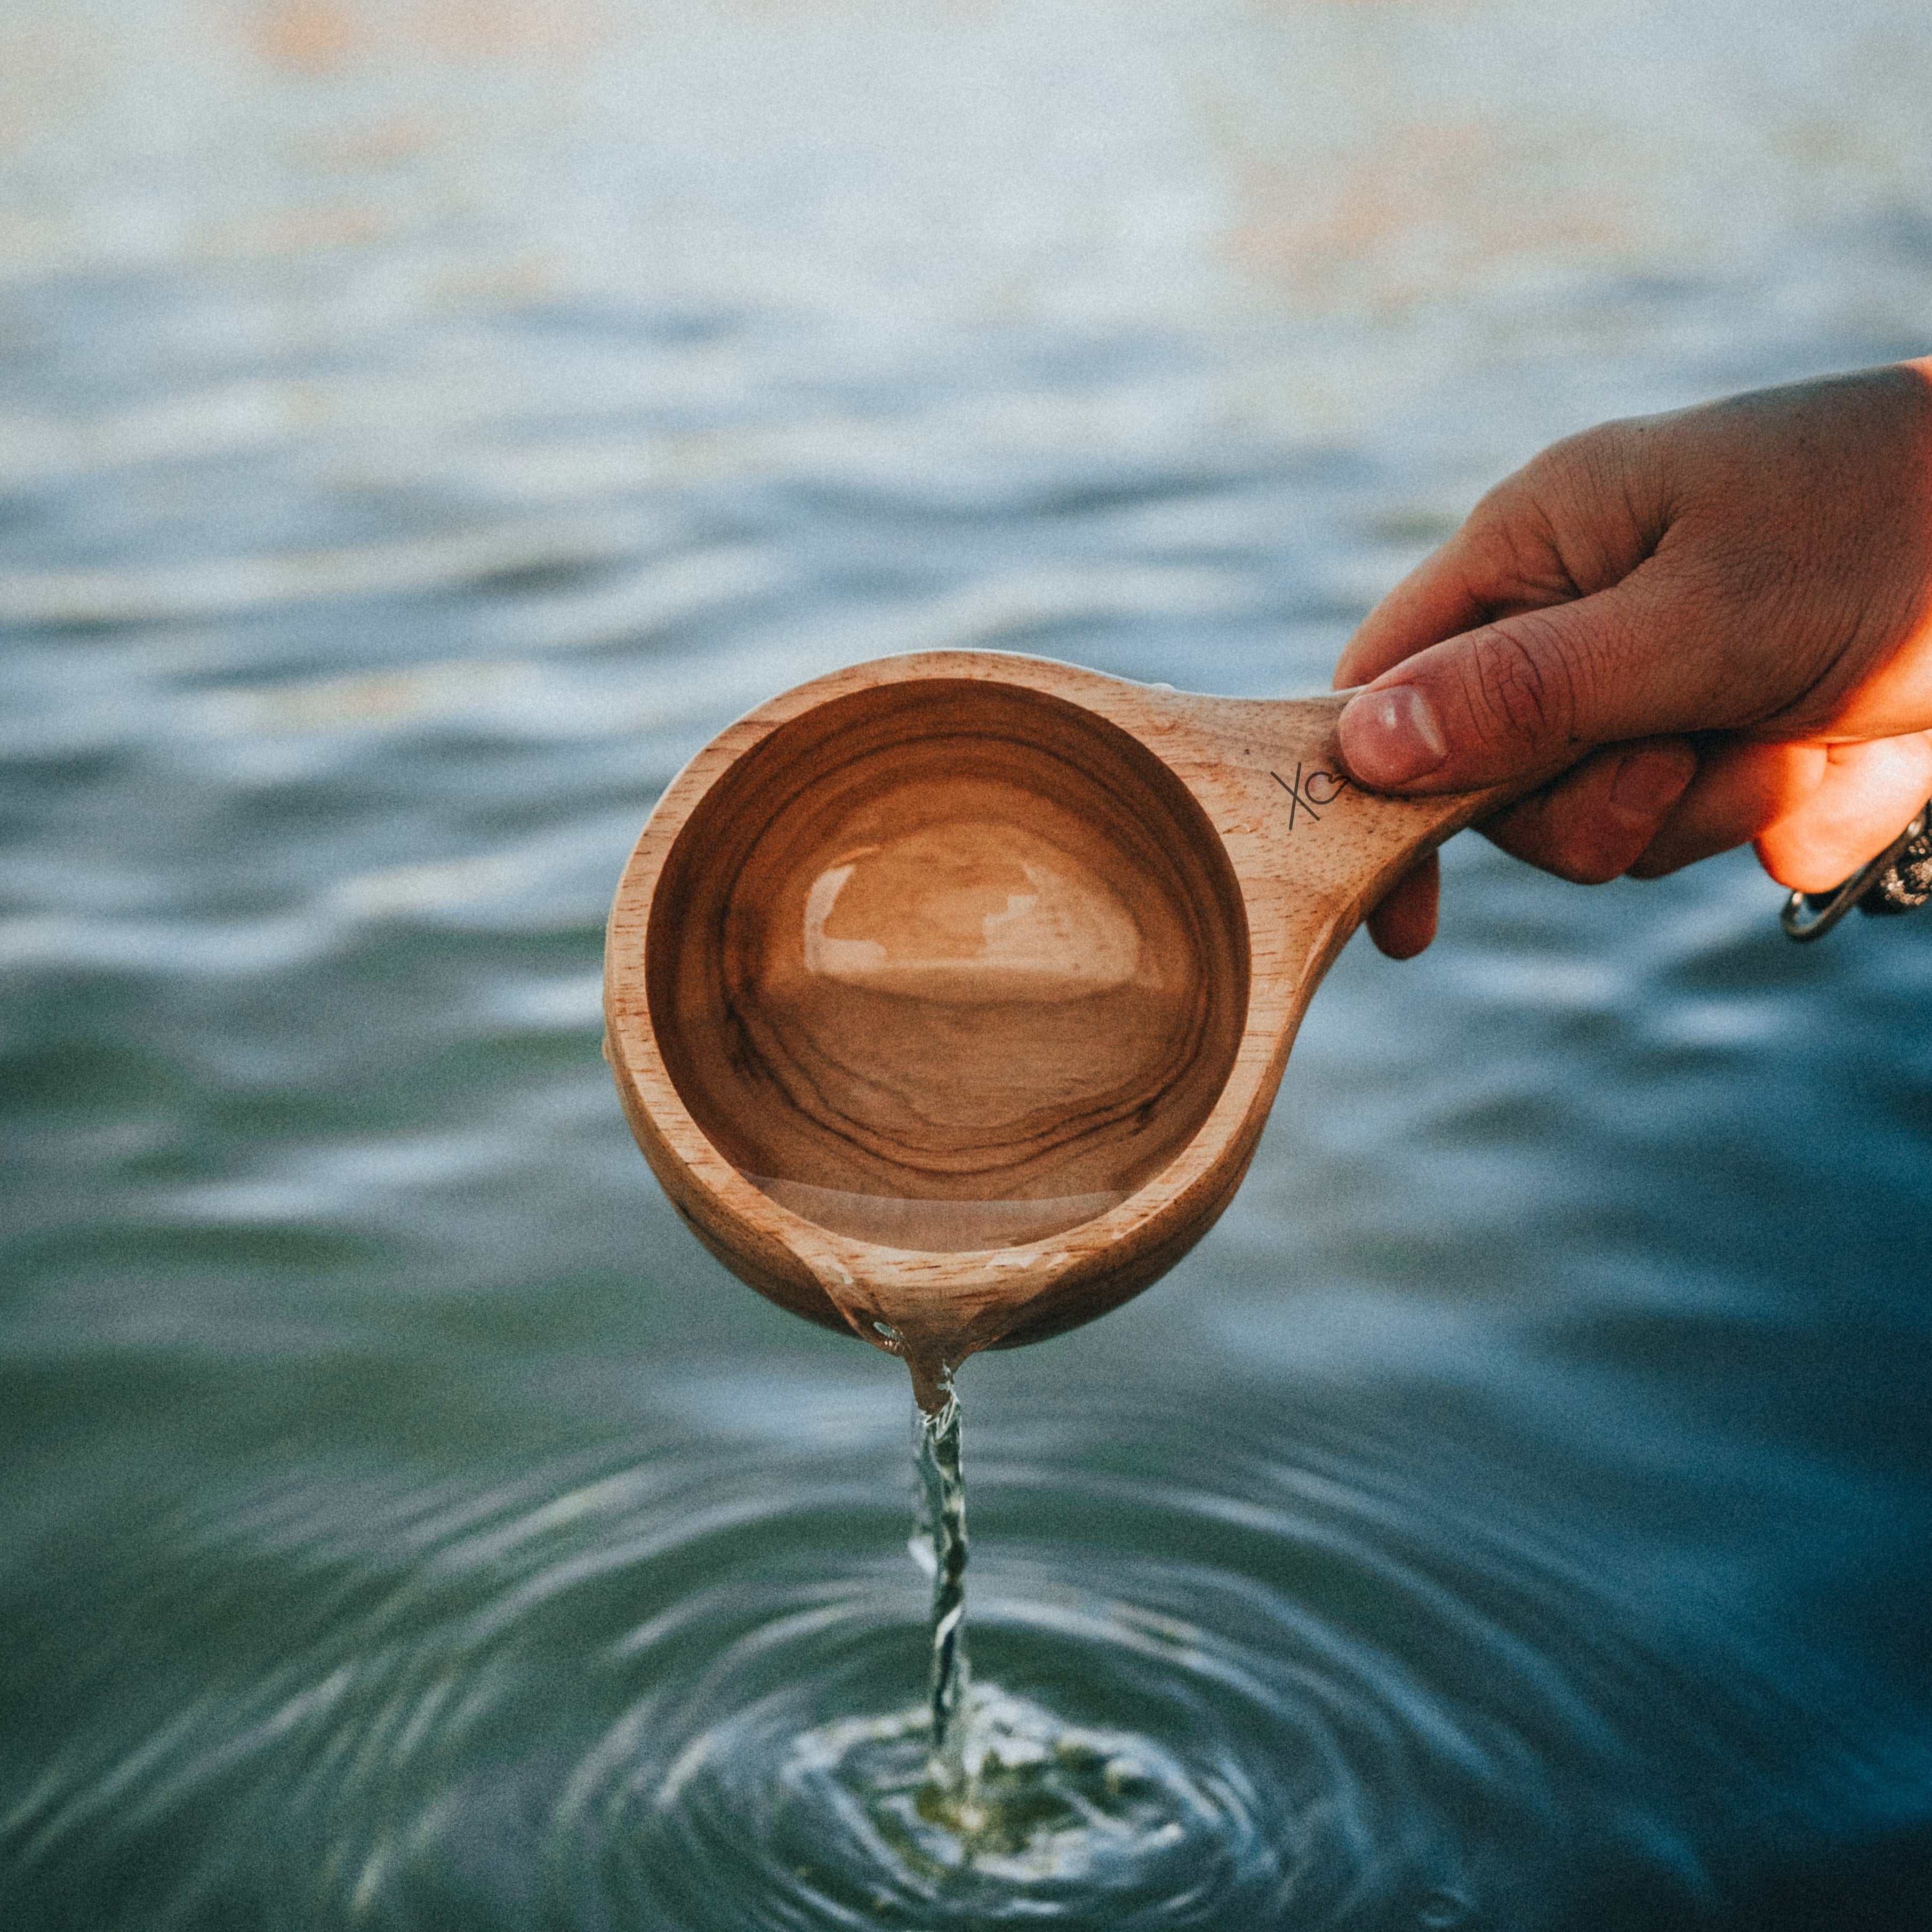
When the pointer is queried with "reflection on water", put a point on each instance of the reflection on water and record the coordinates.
(424, 425)
(972, 913)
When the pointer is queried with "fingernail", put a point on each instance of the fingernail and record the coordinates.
(1389, 737)
(1649, 782)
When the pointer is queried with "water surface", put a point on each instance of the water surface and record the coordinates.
(424, 426)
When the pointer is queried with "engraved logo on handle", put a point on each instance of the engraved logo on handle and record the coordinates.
(1309, 789)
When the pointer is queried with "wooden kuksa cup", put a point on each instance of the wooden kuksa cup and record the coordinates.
(947, 995)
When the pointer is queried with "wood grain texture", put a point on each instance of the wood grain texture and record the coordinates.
(947, 996)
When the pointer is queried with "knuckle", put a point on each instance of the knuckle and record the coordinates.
(1522, 689)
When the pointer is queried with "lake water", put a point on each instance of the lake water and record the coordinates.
(424, 424)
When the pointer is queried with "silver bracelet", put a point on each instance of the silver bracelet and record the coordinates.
(1896, 881)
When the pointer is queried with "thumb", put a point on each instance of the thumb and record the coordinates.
(1532, 692)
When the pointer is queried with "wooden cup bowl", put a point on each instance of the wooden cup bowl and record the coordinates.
(947, 995)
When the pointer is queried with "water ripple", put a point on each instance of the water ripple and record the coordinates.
(684, 1693)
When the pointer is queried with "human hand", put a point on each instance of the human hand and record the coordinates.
(1706, 627)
